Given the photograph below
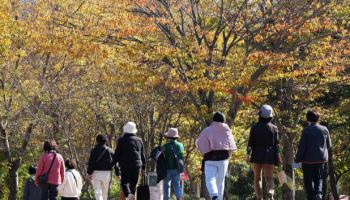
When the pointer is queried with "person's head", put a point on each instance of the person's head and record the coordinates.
(101, 139)
(49, 145)
(32, 170)
(219, 117)
(130, 127)
(71, 164)
(312, 116)
(266, 112)
(172, 134)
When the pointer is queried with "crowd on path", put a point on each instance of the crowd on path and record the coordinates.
(55, 177)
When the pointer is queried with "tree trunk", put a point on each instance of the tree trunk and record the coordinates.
(332, 175)
(13, 180)
(288, 193)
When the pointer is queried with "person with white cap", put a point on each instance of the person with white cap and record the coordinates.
(130, 157)
(216, 143)
(263, 151)
(171, 150)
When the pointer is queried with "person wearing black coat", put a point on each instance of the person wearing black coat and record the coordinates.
(263, 151)
(100, 166)
(129, 156)
(313, 154)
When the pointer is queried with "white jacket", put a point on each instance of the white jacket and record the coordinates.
(71, 187)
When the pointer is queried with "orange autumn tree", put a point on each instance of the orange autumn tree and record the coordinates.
(220, 50)
(52, 53)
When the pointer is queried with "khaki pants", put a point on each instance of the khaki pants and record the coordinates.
(267, 170)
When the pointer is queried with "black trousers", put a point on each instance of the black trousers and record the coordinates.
(313, 179)
(49, 191)
(129, 179)
(69, 198)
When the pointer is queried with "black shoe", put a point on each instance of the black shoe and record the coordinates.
(269, 196)
(214, 198)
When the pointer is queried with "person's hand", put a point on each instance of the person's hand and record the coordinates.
(118, 178)
(280, 160)
(88, 178)
(143, 172)
(247, 159)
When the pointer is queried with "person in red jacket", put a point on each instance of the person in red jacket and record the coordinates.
(56, 174)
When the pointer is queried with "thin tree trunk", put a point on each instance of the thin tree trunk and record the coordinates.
(332, 175)
(13, 180)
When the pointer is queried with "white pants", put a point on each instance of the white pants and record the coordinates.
(215, 172)
(100, 183)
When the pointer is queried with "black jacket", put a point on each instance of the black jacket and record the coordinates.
(160, 163)
(314, 144)
(129, 152)
(105, 163)
(263, 144)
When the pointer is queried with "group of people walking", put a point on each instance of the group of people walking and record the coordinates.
(216, 143)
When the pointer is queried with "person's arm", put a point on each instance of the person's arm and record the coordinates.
(62, 186)
(277, 145)
(62, 169)
(328, 140)
(91, 162)
(301, 147)
(39, 170)
(116, 158)
(80, 183)
(182, 152)
(251, 141)
(143, 157)
(202, 143)
(26, 190)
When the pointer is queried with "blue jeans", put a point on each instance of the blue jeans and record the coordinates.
(313, 179)
(172, 177)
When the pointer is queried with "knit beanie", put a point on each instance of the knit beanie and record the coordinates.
(219, 117)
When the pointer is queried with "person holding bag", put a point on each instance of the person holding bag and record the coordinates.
(216, 143)
(129, 156)
(263, 151)
(71, 187)
(50, 171)
(173, 153)
(100, 166)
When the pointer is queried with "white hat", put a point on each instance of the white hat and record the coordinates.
(172, 133)
(266, 111)
(130, 127)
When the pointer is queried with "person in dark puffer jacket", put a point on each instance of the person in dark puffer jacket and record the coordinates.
(313, 154)
(129, 156)
(100, 166)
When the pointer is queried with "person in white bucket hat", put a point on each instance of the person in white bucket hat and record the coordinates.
(171, 149)
(130, 157)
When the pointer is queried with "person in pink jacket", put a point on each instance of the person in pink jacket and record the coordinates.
(216, 143)
(56, 174)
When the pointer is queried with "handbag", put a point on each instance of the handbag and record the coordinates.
(180, 165)
(44, 178)
(142, 191)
